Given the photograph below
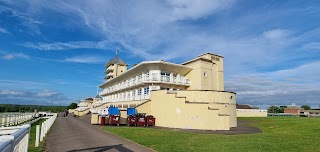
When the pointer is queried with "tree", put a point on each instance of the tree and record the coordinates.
(306, 107)
(273, 109)
(72, 105)
(282, 109)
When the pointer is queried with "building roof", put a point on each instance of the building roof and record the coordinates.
(239, 106)
(116, 60)
(211, 54)
(200, 57)
(294, 107)
(89, 99)
(97, 96)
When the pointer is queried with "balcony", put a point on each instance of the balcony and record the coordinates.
(108, 71)
(140, 79)
(108, 76)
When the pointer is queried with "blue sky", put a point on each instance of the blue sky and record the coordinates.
(54, 52)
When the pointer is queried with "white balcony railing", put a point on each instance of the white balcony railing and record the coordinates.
(156, 78)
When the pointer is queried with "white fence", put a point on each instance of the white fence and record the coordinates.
(45, 126)
(14, 139)
(14, 119)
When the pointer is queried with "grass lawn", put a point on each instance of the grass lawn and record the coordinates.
(32, 139)
(279, 134)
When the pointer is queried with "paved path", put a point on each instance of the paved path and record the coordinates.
(78, 135)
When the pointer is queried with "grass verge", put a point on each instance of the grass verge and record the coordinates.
(32, 139)
(279, 134)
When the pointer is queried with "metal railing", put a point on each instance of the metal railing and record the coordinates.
(181, 80)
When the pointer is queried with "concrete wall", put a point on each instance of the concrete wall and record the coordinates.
(172, 110)
(144, 108)
(251, 113)
(94, 118)
(121, 69)
(224, 101)
(207, 73)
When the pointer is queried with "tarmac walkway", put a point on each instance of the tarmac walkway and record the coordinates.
(78, 135)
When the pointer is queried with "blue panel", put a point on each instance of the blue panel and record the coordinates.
(131, 111)
(113, 111)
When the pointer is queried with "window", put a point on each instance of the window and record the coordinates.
(133, 92)
(146, 90)
(154, 76)
(165, 73)
(205, 74)
(215, 58)
(139, 91)
(128, 94)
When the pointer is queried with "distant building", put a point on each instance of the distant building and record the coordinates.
(295, 110)
(248, 111)
(240, 106)
(85, 105)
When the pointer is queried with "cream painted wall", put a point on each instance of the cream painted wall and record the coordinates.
(121, 69)
(173, 112)
(207, 110)
(224, 101)
(251, 113)
(218, 70)
(117, 69)
(144, 108)
(214, 77)
(123, 117)
(94, 118)
(194, 75)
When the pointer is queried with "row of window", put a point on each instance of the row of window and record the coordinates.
(146, 91)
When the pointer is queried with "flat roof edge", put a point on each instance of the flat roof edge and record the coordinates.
(144, 63)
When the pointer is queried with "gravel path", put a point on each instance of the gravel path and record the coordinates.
(78, 135)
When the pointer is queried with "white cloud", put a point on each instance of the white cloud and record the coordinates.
(8, 57)
(252, 41)
(18, 82)
(46, 93)
(140, 29)
(44, 97)
(194, 9)
(86, 59)
(276, 34)
(15, 55)
(312, 46)
(2, 30)
(26, 19)
(68, 45)
(300, 85)
(10, 92)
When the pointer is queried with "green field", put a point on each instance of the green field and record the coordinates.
(279, 134)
